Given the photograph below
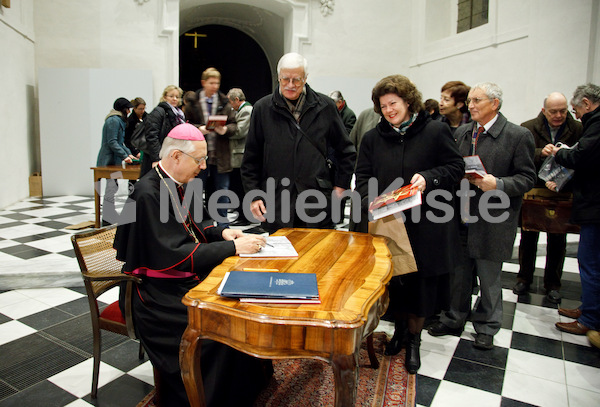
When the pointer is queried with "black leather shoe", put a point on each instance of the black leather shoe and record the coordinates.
(399, 339)
(554, 297)
(484, 341)
(520, 288)
(413, 357)
(439, 329)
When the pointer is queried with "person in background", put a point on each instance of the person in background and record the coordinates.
(164, 117)
(290, 131)
(136, 117)
(347, 115)
(367, 119)
(349, 119)
(191, 108)
(214, 102)
(554, 124)
(489, 222)
(172, 257)
(237, 144)
(433, 108)
(453, 106)
(584, 158)
(408, 145)
(113, 152)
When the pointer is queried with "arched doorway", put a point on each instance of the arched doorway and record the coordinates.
(236, 55)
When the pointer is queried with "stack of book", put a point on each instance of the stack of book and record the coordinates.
(270, 287)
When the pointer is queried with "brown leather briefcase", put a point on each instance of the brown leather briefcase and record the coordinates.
(547, 212)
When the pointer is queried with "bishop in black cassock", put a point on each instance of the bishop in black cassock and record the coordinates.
(171, 258)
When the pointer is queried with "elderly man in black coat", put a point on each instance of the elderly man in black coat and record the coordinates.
(286, 156)
(490, 210)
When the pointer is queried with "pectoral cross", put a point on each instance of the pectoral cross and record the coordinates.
(195, 35)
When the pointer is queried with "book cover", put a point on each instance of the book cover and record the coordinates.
(474, 167)
(215, 120)
(269, 285)
(554, 172)
(277, 246)
(395, 201)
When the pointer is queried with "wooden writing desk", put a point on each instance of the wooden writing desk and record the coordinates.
(131, 172)
(353, 270)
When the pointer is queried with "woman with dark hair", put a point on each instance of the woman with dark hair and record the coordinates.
(191, 108)
(453, 104)
(409, 146)
(136, 117)
(113, 152)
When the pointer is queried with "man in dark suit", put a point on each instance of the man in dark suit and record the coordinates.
(286, 147)
(584, 159)
(490, 209)
(554, 124)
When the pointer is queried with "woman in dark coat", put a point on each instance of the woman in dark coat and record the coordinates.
(137, 116)
(409, 145)
(159, 123)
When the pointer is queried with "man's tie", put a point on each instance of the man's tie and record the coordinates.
(480, 130)
(209, 102)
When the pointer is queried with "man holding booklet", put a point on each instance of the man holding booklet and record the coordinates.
(489, 220)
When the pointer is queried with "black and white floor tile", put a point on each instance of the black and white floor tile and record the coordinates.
(46, 341)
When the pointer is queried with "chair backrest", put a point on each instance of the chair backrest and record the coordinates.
(101, 270)
(97, 258)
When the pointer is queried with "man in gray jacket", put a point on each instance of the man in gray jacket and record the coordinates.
(237, 143)
(490, 209)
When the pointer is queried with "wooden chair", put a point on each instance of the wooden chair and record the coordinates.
(101, 271)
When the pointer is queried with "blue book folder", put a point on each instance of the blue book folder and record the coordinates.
(270, 286)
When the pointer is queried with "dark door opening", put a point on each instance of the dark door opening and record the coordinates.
(239, 59)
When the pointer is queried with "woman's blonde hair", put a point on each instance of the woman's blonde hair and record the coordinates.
(170, 88)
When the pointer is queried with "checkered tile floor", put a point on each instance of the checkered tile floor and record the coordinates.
(46, 341)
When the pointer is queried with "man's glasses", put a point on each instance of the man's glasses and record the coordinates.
(476, 101)
(198, 160)
(296, 81)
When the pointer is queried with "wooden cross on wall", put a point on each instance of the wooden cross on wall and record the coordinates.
(195, 35)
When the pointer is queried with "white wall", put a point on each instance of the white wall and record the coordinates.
(70, 143)
(529, 48)
(355, 46)
(17, 82)
(110, 34)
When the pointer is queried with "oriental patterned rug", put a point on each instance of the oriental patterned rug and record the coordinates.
(310, 382)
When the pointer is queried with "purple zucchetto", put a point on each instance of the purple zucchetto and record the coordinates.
(186, 131)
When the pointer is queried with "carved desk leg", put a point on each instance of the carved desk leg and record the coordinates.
(371, 351)
(345, 371)
(189, 360)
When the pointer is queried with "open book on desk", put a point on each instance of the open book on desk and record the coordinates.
(474, 167)
(270, 287)
(277, 246)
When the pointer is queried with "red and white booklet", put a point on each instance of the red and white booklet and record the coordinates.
(474, 167)
(395, 201)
